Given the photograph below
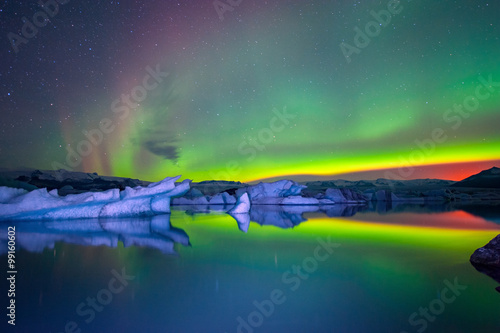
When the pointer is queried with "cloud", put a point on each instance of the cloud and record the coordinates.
(163, 148)
(158, 142)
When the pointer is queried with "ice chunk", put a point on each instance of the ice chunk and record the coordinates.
(7, 193)
(298, 200)
(280, 189)
(223, 198)
(240, 212)
(242, 205)
(140, 206)
(139, 201)
(162, 186)
(203, 201)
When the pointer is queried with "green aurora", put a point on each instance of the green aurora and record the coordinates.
(268, 92)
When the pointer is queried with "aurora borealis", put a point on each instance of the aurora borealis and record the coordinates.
(264, 92)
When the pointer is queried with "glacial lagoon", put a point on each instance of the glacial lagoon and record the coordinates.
(346, 269)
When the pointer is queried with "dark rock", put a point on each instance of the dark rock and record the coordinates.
(486, 259)
(488, 254)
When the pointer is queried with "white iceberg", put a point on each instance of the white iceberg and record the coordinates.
(240, 212)
(138, 201)
(183, 201)
(8, 193)
(196, 197)
(223, 198)
(242, 205)
(298, 200)
(271, 193)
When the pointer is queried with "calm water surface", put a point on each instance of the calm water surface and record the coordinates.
(294, 271)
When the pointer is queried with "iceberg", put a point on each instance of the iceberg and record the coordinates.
(197, 201)
(41, 204)
(195, 197)
(299, 200)
(240, 212)
(8, 193)
(271, 193)
(223, 198)
(242, 206)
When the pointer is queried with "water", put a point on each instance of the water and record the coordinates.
(198, 272)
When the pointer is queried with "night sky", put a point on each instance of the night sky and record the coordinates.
(252, 90)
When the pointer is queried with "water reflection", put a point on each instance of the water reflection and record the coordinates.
(226, 272)
(446, 215)
(492, 271)
(157, 232)
(154, 232)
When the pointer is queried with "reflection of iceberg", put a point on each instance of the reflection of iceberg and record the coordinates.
(154, 232)
(201, 209)
(285, 217)
(243, 221)
(138, 201)
(240, 212)
(342, 210)
(290, 216)
(280, 216)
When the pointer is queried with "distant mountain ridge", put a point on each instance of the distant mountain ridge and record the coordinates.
(76, 182)
(381, 183)
(485, 179)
